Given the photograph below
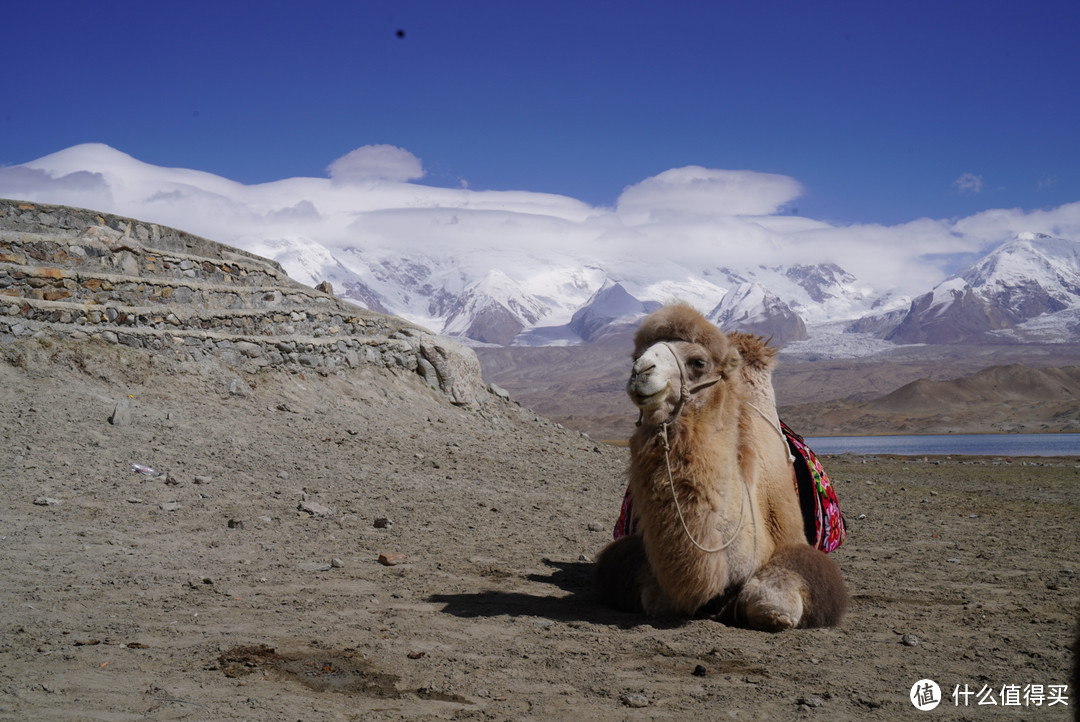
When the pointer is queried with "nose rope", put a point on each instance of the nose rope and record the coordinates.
(685, 392)
(678, 509)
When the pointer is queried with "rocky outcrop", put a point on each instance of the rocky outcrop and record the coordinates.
(81, 274)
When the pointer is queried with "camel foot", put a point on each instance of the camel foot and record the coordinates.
(799, 587)
(771, 601)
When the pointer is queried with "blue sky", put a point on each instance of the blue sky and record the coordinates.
(883, 113)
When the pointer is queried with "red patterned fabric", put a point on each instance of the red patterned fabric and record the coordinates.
(812, 484)
(823, 522)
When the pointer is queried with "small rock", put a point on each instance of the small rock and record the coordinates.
(236, 524)
(699, 670)
(336, 563)
(382, 523)
(596, 526)
(121, 415)
(200, 479)
(325, 287)
(811, 701)
(314, 567)
(634, 700)
(236, 387)
(313, 508)
(909, 640)
(169, 505)
(390, 559)
(47, 501)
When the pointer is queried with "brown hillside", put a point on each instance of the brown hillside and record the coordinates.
(1023, 387)
(1014, 383)
(1012, 398)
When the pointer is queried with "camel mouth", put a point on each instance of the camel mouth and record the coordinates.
(644, 400)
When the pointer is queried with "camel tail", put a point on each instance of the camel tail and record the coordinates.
(618, 571)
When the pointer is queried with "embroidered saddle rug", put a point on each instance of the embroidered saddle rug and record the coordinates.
(823, 523)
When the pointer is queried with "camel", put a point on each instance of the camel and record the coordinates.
(719, 530)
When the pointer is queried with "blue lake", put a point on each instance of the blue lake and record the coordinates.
(969, 444)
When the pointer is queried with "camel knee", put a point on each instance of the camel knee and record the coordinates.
(623, 579)
(802, 572)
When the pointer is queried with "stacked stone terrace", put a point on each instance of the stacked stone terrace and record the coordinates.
(88, 275)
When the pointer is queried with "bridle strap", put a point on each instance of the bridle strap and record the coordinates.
(685, 389)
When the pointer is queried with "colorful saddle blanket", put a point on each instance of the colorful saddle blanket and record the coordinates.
(823, 523)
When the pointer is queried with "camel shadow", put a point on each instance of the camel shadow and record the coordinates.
(578, 605)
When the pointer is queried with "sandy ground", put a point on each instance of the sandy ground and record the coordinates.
(127, 596)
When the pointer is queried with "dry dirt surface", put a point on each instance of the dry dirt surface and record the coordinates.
(353, 547)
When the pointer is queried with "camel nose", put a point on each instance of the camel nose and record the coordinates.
(641, 370)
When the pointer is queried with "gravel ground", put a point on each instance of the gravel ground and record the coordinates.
(354, 547)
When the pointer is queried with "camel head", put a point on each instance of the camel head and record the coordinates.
(678, 355)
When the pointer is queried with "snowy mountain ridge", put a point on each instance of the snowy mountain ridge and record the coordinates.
(513, 267)
(1031, 282)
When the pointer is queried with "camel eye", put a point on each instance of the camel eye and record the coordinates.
(698, 364)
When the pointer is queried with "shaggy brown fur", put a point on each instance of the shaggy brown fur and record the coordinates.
(732, 482)
(755, 351)
(824, 596)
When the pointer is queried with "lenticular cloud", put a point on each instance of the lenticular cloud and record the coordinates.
(694, 191)
(376, 163)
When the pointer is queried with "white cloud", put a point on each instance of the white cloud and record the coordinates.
(969, 184)
(670, 227)
(694, 191)
(376, 163)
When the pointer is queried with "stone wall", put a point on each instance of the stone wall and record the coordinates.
(87, 275)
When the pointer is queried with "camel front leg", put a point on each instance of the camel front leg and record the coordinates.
(624, 579)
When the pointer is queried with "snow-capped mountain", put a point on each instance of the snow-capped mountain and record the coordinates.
(1034, 276)
(493, 310)
(609, 316)
(752, 308)
(516, 267)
